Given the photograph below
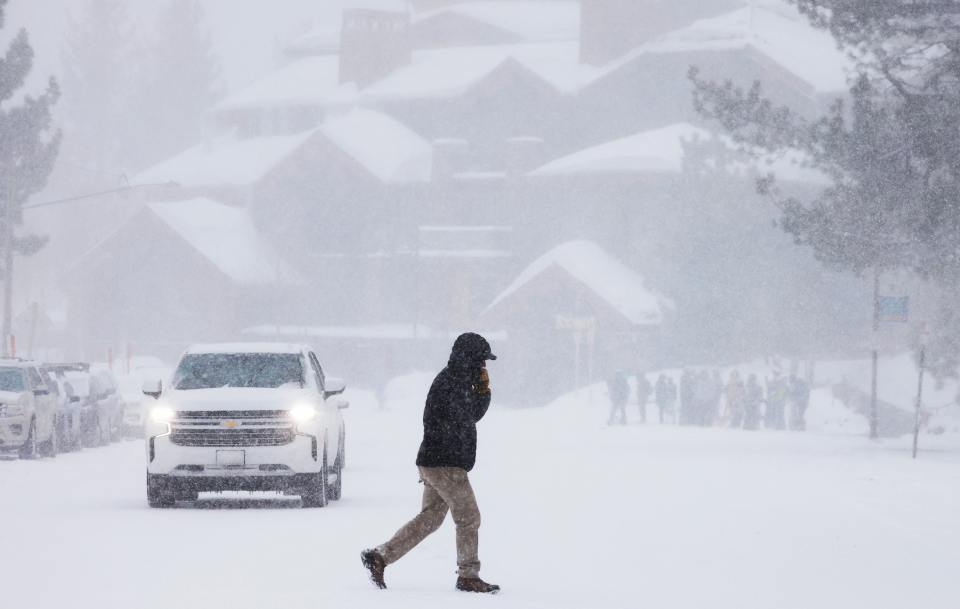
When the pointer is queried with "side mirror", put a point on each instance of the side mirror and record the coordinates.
(153, 388)
(341, 404)
(39, 392)
(333, 386)
(74, 398)
(110, 391)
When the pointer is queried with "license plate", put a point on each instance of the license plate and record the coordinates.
(231, 458)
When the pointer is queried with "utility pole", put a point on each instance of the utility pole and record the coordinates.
(7, 276)
(875, 338)
(916, 421)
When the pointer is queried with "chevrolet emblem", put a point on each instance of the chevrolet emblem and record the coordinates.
(231, 424)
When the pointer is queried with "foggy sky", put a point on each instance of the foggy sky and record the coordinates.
(244, 32)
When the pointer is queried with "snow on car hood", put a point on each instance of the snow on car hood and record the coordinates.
(235, 398)
(10, 397)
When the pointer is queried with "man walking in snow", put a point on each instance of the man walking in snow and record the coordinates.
(458, 398)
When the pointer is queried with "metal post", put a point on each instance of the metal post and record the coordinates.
(7, 277)
(874, 418)
(916, 422)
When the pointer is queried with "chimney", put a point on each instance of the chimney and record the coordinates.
(611, 28)
(373, 43)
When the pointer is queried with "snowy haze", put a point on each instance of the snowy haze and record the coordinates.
(375, 182)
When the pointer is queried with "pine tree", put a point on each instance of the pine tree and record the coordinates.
(895, 202)
(28, 149)
(894, 157)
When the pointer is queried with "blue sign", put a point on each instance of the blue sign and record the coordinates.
(894, 308)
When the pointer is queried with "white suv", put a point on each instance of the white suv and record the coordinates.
(28, 410)
(245, 417)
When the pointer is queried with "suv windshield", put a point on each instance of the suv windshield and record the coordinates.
(213, 370)
(11, 379)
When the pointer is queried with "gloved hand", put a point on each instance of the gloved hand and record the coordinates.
(483, 385)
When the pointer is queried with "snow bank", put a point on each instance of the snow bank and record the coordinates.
(383, 145)
(619, 286)
(226, 236)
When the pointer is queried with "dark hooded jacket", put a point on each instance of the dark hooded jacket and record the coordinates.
(454, 405)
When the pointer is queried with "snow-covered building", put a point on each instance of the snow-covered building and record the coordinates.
(576, 311)
(202, 272)
(502, 127)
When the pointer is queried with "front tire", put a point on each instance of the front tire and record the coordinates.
(335, 490)
(315, 494)
(51, 446)
(157, 497)
(30, 450)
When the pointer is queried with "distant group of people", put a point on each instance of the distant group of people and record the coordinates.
(745, 399)
(701, 394)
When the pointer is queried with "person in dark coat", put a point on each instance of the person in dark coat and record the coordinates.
(736, 399)
(773, 418)
(619, 391)
(687, 408)
(751, 405)
(644, 389)
(458, 399)
(798, 396)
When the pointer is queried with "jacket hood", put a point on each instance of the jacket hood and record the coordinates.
(469, 352)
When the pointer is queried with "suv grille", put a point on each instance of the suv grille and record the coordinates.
(231, 414)
(268, 436)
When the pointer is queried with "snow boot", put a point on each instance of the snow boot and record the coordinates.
(475, 584)
(372, 560)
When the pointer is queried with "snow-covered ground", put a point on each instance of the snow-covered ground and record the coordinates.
(575, 514)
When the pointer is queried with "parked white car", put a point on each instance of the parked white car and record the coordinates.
(28, 411)
(245, 417)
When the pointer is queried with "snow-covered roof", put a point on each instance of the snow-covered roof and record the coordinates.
(656, 151)
(247, 348)
(234, 163)
(532, 20)
(395, 6)
(387, 148)
(451, 72)
(661, 151)
(322, 41)
(616, 284)
(311, 81)
(772, 27)
(225, 235)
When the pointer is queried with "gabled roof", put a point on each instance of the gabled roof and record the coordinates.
(531, 20)
(383, 145)
(656, 151)
(451, 72)
(225, 236)
(620, 287)
(772, 27)
(661, 151)
(234, 163)
(311, 81)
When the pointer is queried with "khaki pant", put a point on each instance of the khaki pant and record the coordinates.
(443, 488)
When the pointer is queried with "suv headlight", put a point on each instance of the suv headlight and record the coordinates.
(12, 410)
(303, 412)
(163, 414)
